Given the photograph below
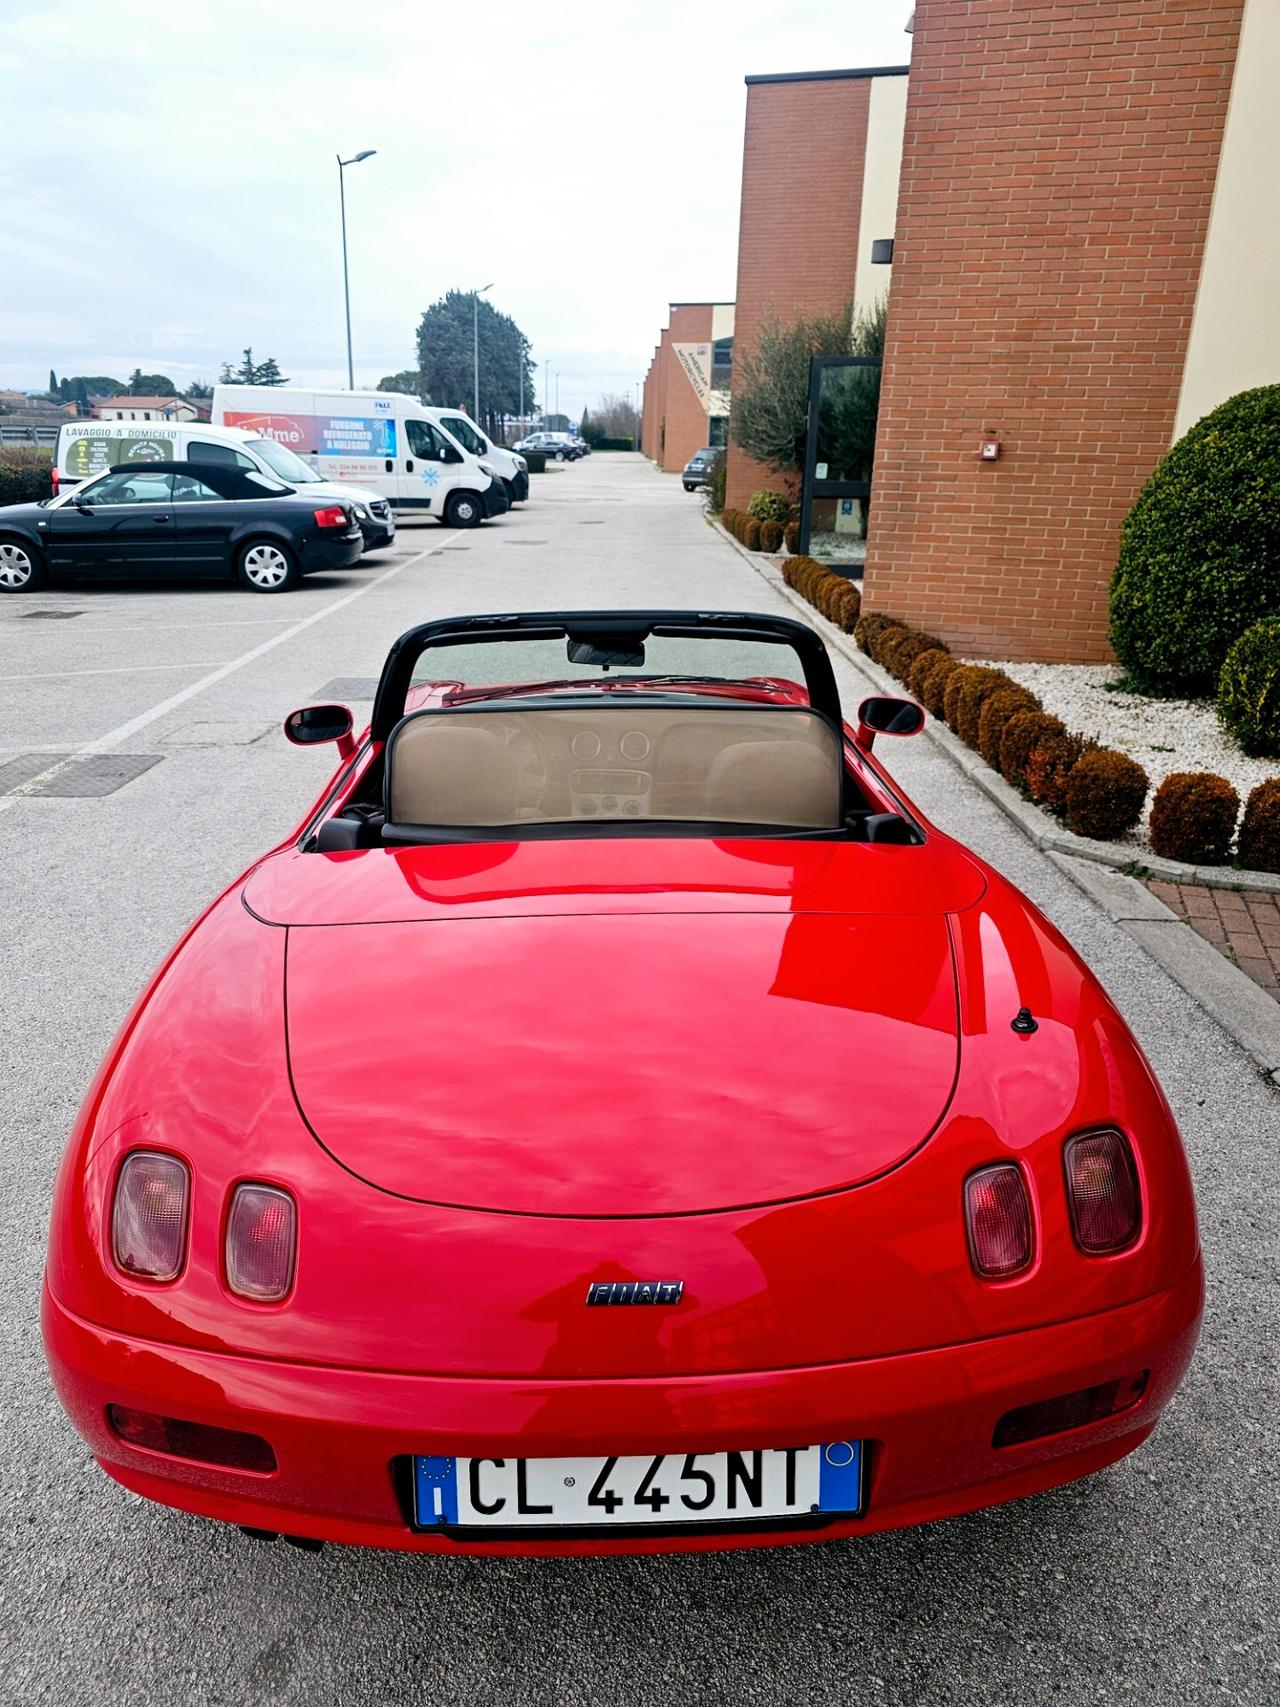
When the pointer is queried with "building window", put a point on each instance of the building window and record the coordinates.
(721, 364)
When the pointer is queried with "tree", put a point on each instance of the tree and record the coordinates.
(95, 385)
(198, 391)
(408, 382)
(445, 356)
(614, 417)
(771, 388)
(252, 373)
(151, 385)
(53, 384)
(82, 398)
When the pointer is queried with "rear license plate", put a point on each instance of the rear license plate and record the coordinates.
(595, 1492)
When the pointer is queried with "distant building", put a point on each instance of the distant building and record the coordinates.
(686, 390)
(145, 409)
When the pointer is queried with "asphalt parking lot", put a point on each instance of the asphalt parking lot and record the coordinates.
(1154, 1582)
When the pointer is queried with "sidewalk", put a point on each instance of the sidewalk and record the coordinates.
(1244, 928)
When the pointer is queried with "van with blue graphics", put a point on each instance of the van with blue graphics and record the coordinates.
(378, 439)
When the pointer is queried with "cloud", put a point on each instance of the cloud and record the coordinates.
(168, 188)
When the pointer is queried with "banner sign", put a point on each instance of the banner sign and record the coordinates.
(695, 359)
(320, 435)
(93, 449)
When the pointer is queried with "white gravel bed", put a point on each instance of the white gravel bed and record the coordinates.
(1163, 735)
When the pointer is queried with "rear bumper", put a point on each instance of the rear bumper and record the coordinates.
(341, 1436)
(338, 552)
(376, 533)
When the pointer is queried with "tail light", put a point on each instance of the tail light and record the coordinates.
(53, 479)
(334, 517)
(149, 1216)
(262, 1235)
(998, 1218)
(1102, 1192)
(201, 1442)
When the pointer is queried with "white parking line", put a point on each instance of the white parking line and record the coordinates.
(115, 670)
(104, 743)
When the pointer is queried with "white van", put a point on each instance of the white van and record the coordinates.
(378, 439)
(511, 469)
(86, 448)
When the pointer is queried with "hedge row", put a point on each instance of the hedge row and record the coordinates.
(1249, 689)
(834, 595)
(750, 531)
(1098, 792)
(1194, 818)
(24, 475)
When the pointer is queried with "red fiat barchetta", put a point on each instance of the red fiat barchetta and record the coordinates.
(614, 1121)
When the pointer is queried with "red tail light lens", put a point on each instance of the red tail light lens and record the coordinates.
(54, 478)
(998, 1217)
(201, 1442)
(149, 1216)
(334, 517)
(262, 1234)
(1102, 1192)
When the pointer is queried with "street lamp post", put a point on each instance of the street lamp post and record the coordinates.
(365, 154)
(475, 349)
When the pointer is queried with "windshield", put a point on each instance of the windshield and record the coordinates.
(546, 660)
(288, 466)
(465, 434)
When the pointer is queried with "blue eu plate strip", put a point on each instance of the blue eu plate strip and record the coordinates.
(840, 1476)
(435, 1490)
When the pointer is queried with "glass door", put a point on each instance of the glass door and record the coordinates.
(840, 440)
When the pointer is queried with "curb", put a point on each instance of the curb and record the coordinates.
(1100, 870)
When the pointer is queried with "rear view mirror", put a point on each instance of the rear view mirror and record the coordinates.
(314, 724)
(884, 715)
(605, 655)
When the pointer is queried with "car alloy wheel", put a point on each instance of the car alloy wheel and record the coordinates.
(559, 456)
(463, 511)
(17, 567)
(266, 568)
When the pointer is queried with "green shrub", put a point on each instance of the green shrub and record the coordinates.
(768, 506)
(1049, 766)
(1105, 794)
(1193, 818)
(715, 486)
(933, 688)
(869, 626)
(1200, 550)
(1260, 828)
(1021, 733)
(612, 444)
(770, 536)
(1249, 689)
(24, 474)
(920, 669)
(997, 709)
(791, 536)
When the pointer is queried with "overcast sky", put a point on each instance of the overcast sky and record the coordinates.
(168, 186)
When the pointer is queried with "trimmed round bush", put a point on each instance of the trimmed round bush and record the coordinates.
(965, 694)
(899, 652)
(840, 602)
(1021, 733)
(1049, 766)
(933, 689)
(1193, 818)
(1200, 549)
(1106, 792)
(751, 534)
(1249, 689)
(770, 535)
(920, 669)
(767, 506)
(791, 536)
(1260, 828)
(997, 709)
(869, 626)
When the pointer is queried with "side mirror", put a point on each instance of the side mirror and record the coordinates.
(449, 454)
(84, 505)
(883, 715)
(313, 724)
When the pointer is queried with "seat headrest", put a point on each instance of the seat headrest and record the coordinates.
(791, 783)
(444, 771)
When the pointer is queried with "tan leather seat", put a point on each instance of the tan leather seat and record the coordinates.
(451, 770)
(789, 783)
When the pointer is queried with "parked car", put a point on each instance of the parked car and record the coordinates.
(86, 448)
(558, 446)
(380, 439)
(616, 1120)
(701, 466)
(178, 520)
(584, 449)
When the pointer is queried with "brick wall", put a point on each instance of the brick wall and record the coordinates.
(803, 150)
(675, 423)
(1057, 174)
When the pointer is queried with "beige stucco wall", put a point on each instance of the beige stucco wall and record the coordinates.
(1235, 332)
(886, 116)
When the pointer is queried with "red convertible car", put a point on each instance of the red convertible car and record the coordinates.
(615, 1121)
